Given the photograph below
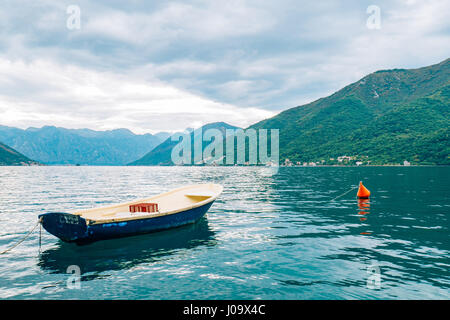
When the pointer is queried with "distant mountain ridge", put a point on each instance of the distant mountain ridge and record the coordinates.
(161, 155)
(10, 157)
(52, 145)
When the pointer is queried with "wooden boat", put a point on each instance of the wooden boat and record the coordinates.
(168, 210)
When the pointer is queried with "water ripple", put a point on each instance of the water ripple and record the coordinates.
(278, 237)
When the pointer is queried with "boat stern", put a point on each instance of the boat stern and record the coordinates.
(68, 227)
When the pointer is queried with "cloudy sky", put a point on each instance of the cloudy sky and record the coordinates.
(166, 65)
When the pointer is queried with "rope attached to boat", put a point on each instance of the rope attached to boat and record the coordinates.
(23, 239)
(344, 193)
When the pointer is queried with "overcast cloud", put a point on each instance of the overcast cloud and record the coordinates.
(162, 65)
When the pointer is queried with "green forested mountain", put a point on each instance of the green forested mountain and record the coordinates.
(385, 118)
(10, 157)
(161, 155)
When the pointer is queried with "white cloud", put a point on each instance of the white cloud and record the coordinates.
(42, 92)
(207, 21)
(148, 65)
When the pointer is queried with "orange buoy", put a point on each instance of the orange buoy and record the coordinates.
(363, 193)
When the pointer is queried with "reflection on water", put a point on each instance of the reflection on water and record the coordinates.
(276, 237)
(363, 206)
(125, 253)
(363, 211)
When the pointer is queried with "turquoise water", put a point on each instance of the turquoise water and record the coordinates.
(278, 237)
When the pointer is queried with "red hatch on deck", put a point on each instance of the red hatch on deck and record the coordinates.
(144, 207)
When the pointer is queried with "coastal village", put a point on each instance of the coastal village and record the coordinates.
(339, 161)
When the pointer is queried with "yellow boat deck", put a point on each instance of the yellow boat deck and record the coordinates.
(171, 202)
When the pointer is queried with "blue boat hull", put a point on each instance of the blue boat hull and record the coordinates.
(73, 228)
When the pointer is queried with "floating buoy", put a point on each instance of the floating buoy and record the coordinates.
(363, 193)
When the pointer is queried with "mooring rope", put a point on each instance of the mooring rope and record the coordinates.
(344, 193)
(23, 239)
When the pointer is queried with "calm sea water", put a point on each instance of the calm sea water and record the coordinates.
(278, 237)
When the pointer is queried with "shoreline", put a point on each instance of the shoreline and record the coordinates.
(233, 166)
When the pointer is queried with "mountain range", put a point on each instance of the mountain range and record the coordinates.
(52, 145)
(387, 117)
